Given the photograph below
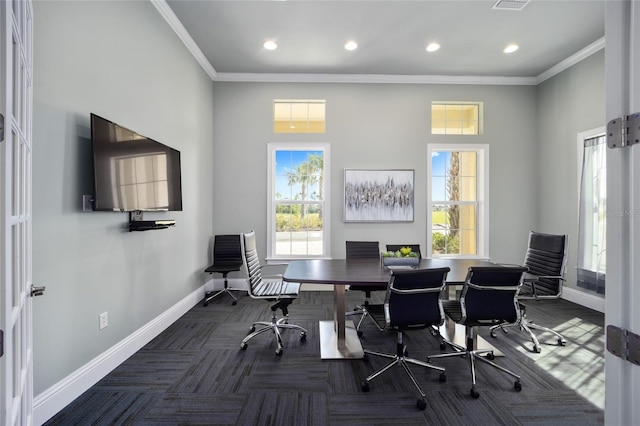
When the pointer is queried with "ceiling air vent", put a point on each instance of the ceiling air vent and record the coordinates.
(510, 4)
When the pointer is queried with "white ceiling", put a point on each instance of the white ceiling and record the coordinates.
(391, 36)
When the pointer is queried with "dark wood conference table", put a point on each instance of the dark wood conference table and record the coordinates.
(338, 337)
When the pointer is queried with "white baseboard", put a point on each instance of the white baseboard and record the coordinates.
(58, 396)
(583, 298)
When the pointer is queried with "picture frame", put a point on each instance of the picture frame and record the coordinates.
(378, 195)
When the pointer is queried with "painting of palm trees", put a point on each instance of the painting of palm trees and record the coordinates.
(378, 195)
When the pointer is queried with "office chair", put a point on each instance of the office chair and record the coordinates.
(364, 250)
(488, 297)
(278, 291)
(412, 302)
(227, 257)
(546, 258)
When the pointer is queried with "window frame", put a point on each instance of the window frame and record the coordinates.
(480, 125)
(272, 148)
(482, 198)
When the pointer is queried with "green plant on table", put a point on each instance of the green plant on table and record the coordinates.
(403, 252)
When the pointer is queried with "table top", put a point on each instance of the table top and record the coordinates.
(368, 271)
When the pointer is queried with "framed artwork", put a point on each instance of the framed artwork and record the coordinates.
(378, 195)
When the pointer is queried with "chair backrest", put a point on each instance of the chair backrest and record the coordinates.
(251, 262)
(363, 250)
(227, 249)
(546, 257)
(415, 248)
(413, 298)
(489, 294)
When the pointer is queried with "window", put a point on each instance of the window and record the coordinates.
(298, 198)
(592, 214)
(456, 118)
(299, 116)
(457, 205)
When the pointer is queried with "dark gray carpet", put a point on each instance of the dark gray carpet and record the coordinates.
(195, 373)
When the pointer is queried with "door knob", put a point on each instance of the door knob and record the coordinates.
(37, 291)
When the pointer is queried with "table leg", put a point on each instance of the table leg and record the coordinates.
(338, 338)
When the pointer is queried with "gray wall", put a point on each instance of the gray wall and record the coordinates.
(568, 103)
(377, 126)
(122, 61)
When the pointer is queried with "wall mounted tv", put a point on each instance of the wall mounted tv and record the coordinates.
(132, 172)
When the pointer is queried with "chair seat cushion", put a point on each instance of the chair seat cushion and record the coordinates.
(222, 267)
(269, 289)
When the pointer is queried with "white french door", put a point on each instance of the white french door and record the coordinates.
(622, 68)
(16, 77)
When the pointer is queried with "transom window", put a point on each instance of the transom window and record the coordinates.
(458, 200)
(298, 219)
(456, 118)
(299, 116)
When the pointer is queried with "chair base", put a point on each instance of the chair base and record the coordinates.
(527, 325)
(367, 311)
(401, 358)
(210, 295)
(274, 326)
(484, 355)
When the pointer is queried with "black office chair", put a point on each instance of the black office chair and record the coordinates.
(227, 257)
(488, 297)
(281, 292)
(546, 259)
(412, 302)
(364, 250)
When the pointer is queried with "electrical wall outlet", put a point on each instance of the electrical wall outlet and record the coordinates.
(104, 320)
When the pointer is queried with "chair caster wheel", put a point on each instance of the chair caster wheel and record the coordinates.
(443, 346)
(364, 386)
(279, 351)
(421, 404)
(493, 334)
(205, 304)
(243, 346)
(235, 302)
(517, 386)
(562, 342)
(360, 333)
(490, 356)
(537, 349)
(474, 393)
(303, 336)
(252, 329)
(442, 377)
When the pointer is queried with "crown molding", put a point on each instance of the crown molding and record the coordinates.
(572, 60)
(173, 21)
(373, 78)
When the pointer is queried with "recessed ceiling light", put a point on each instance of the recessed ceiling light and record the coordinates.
(351, 45)
(511, 48)
(432, 47)
(270, 45)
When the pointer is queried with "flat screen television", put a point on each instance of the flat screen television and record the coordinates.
(132, 172)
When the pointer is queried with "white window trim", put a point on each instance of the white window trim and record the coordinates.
(480, 105)
(582, 136)
(482, 177)
(272, 147)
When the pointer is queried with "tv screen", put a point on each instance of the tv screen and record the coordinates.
(133, 172)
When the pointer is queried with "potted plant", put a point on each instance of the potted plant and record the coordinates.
(403, 257)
